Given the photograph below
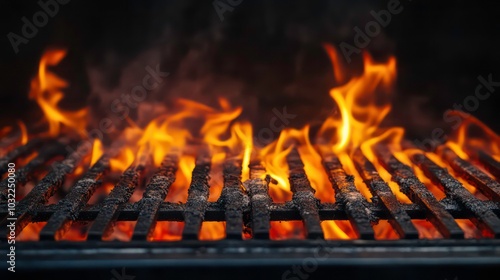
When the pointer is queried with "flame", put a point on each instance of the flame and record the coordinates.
(472, 134)
(46, 90)
(224, 136)
(274, 159)
(24, 132)
(97, 151)
(362, 103)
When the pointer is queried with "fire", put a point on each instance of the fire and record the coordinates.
(363, 102)
(24, 132)
(361, 105)
(223, 136)
(8, 141)
(97, 151)
(273, 157)
(46, 90)
(472, 135)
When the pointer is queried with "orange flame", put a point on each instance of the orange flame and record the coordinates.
(97, 151)
(362, 103)
(46, 90)
(473, 134)
(24, 132)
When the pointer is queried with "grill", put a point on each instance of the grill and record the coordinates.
(250, 209)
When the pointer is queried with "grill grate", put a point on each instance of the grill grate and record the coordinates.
(252, 207)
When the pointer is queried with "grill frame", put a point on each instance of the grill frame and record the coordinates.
(412, 259)
(256, 210)
(215, 211)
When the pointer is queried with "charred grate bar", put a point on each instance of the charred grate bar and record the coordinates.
(156, 191)
(198, 193)
(472, 174)
(303, 196)
(71, 205)
(169, 211)
(247, 207)
(104, 222)
(489, 163)
(19, 152)
(25, 174)
(355, 204)
(486, 219)
(260, 201)
(233, 198)
(400, 220)
(417, 192)
(41, 193)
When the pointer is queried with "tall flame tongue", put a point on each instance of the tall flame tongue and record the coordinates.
(46, 90)
(362, 104)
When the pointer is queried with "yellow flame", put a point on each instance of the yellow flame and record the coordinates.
(97, 151)
(363, 102)
(46, 90)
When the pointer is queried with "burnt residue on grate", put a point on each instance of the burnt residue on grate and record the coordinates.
(471, 174)
(69, 207)
(485, 218)
(233, 198)
(26, 173)
(348, 195)
(417, 192)
(18, 152)
(400, 220)
(248, 205)
(260, 201)
(489, 163)
(197, 197)
(303, 196)
(119, 195)
(41, 193)
(154, 195)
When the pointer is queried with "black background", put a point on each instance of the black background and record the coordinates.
(441, 47)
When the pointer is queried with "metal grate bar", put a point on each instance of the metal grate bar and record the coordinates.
(400, 220)
(472, 174)
(486, 219)
(197, 197)
(69, 207)
(41, 193)
(356, 206)
(155, 194)
(489, 163)
(303, 196)
(119, 195)
(278, 211)
(26, 173)
(18, 152)
(417, 192)
(258, 189)
(233, 198)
